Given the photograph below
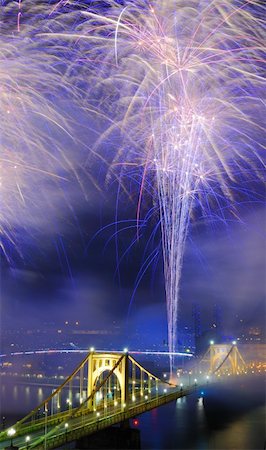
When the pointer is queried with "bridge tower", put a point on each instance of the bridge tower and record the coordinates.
(225, 356)
(98, 363)
(115, 382)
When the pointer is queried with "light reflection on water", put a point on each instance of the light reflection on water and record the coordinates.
(189, 423)
(40, 395)
(217, 421)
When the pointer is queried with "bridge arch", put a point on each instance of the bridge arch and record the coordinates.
(222, 355)
(101, 363)
(218, 358)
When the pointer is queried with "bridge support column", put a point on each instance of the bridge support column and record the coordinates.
(125, 381)
(125, 425)
(234, 360)
(110, 438)
(90, 380)
(212, 358)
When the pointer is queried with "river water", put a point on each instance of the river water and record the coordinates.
(219, 417)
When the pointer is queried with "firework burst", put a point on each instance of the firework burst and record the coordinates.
(37, 160)
(180, 84)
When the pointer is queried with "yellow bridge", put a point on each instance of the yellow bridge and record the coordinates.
(105, 389)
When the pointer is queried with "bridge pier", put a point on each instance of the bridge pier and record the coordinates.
(110, 439)
(125, 425)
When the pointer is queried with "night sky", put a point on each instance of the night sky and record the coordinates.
(73, 274)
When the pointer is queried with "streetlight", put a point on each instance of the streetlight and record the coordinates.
(45, 412)
(27, 439)
(11, 433)
(66, 428)
(125, 350)
(233, 342)
(211, 342)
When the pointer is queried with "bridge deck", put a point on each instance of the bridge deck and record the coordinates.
(50, 437)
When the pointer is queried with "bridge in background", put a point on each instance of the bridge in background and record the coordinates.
(106, 389)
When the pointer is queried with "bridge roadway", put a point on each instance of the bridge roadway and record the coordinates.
(53, 432)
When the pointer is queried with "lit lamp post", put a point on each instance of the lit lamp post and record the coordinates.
(11, 433)
(66, 428)
(27, 439)
(45, 425)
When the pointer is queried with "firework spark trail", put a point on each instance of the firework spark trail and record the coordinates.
(37, 162)
(186, 76)
(179, 83)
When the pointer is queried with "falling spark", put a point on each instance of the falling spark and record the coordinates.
(36, 134)
(181, 82)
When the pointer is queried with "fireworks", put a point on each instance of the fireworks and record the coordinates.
(180, 83)
(36, 167)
